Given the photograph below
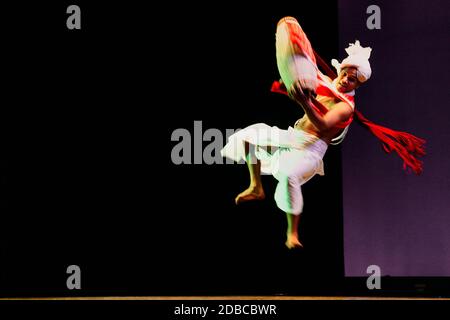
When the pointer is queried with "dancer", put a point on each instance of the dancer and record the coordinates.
(294, 156)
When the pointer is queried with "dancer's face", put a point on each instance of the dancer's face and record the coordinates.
(347, 80)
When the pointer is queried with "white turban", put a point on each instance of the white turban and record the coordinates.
(358, 57)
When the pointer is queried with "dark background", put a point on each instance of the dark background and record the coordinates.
(87, 175)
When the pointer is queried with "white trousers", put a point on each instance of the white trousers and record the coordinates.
(294, 157)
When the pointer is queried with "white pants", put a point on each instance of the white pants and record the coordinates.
(296, 159)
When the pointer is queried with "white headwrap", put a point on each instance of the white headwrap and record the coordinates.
(358, 57)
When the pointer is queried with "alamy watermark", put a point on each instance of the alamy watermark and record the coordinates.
(74, 20)
(200, 147)
(374, 20)
(74, 278)
(374, 280)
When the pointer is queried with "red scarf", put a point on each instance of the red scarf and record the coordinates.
(407, 146)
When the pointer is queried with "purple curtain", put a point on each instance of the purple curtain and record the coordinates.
(399, 221)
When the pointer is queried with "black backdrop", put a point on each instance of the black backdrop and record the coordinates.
(88, 175)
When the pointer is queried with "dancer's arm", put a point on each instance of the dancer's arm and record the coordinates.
(317, 113)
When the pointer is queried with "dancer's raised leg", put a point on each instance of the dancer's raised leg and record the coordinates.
(255, 191)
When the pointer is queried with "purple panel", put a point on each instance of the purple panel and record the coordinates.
(396, 220)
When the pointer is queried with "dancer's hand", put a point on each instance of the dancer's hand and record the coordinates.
(296, 93)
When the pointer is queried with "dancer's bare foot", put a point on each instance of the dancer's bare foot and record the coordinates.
(292, 242)
(252, 193)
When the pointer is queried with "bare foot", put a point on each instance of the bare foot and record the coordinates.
(292, 242)
(250, 194)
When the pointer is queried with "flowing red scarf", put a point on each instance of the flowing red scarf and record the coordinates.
(406, 145)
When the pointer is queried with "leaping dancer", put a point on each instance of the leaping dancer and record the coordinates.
(294, 156)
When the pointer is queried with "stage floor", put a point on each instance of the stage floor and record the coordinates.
(219, 298)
